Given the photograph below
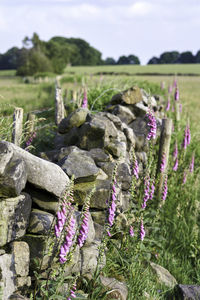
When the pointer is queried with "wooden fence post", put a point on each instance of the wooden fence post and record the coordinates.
(165, 140)
(30, 124)
(59, 106)
(17, 126)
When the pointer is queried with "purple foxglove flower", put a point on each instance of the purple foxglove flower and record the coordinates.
(84, 229)
(112, 207)
(175, 83)
(175, 167)
(152, 126)
(175, 152)
(176, 94)
(169, 89)
(108, 232)
(163, 163)
(188, 135)
(185, 139)
(142, 231)
(152, 190)
(136, 168)
(85, 100)
(192, 164)
(164, 193)
(146, 192)
(184, 177)
(68, 240)
(131, 231)
(168, 104)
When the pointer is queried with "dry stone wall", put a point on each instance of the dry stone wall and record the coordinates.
(87, 146)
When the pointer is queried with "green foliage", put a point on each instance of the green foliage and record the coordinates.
(128, 60)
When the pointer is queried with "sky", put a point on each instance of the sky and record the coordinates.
(145, 28)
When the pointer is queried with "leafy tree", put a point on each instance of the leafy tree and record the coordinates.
(186, 58)
(128, 60)
(153, 61)
(197, 57)
(9, 60)
(110, 61)
(169, 57)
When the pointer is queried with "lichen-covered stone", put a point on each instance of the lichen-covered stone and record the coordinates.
(163, 275)
(7, 275)
(40, 222)
(124, 176)
(14, 217)
(75, 119)
(44, 200)
(124, 113)
(118, 289)
(81, 166)
(130, 96)
(187, 292)
(13, 179)
(99, 217)
(89, 257)
(21, 257)
(41, 173)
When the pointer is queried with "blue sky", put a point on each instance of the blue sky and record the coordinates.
(145, 28)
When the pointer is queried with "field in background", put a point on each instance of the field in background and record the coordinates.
(134, 69)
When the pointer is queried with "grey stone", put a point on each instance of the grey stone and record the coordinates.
(107, 167)
(187, 292)
(40, 222)
(17, 297)
(99, 229)
(75, 119)
(13, 179)
(124, 113)
(163, 275)
(130, 96)
(81, 166)
(23, 281)
(7, 275)
(117, 148)
(118, 289)
(142, 157)
(140, 130)
(89, 256)
(99, 216)
(130, 136)
(44, 200)
(124, 176)
(99, 155)
(41, 173)
(14, 217)
(6, 153)
(51, 155)
(139, 109)
(21, 258)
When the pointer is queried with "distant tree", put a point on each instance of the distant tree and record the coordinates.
(110, 61)
(186, 58)
(197, 57)
(153, 61)
(169, 57)
(133, 60)
(128, 60)
(9, 60)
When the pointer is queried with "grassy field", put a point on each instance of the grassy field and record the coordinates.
(137, 69)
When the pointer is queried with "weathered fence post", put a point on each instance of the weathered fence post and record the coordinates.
(59, 106)
(17, 126)
(30, 124)
(163, 157)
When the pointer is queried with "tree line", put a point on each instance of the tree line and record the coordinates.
(54, 55)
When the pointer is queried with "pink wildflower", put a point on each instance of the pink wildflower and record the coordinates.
(84, 229)
(165, 188)
(176, 94)
(192, 164)
(152, 126)
(146, 192)
(142, 231)
(168, 104)
(85, 100)
(175, 167)
(175, 153)
(152, 190)
(131, 231)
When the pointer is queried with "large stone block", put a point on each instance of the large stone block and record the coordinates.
(75, 119)
(40, 222)
(7, 275)
(14, 217)
(21, 257)
(13, 179)
(41, 173)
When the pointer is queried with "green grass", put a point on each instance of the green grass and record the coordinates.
(134, 69)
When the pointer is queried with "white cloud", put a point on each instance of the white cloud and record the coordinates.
(140, 8)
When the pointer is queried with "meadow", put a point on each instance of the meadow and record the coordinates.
(174, 236)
